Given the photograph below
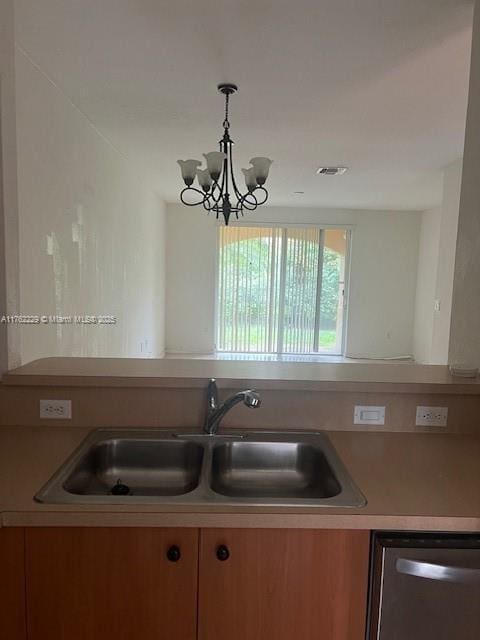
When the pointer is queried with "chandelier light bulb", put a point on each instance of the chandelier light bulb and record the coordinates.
(261, 167)
(204, 179)
(189, 169)
(215, 161)
(250, 178)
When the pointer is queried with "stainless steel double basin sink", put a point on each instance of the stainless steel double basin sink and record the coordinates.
(246, 468)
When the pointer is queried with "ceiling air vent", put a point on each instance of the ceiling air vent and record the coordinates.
(331, 171)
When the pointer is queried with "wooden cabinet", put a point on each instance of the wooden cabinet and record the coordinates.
(111, 583)
(283, 584)
(237, 584)
(12, 584)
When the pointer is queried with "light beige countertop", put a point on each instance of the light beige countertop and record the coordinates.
(398, 377)
(411, 482)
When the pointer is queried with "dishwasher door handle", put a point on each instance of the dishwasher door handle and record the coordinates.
(434, 571)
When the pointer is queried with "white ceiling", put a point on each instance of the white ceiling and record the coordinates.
(377, 85)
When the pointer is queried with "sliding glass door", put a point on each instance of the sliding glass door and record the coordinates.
(281, 290)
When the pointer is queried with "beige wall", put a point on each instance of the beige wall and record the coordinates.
(92, 236)
(174, 408)
(9, 282)
(382, 284)
(465, 326)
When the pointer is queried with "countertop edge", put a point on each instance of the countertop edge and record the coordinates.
(451, 388)
(193, 519)
(355, 375)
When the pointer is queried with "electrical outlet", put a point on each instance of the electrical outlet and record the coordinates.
(431, 417)
(56, 409)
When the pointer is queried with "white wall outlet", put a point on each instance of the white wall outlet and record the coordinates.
(369, 415)
(56, 409)
(431, 417)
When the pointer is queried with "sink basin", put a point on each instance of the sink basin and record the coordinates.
(120, 467)
(140, 466)
(272, 470)
(145, 467)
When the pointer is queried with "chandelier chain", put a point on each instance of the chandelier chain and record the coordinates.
(226, 122)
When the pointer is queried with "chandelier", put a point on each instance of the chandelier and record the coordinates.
(218, 190)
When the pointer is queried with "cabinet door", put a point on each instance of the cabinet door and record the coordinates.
(12, 584)
(111, 583)
(283, 584)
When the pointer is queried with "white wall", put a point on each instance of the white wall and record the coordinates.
(435, 272)
(382, 284)
(446, 262)
(426, 284)
(190, 283)
(465, 323)
(9, 280)
(92, 234)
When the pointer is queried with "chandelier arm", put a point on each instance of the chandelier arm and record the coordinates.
(249, 201)
(236, 190)
(212, 198)
(238, 211)
(212, 203)
(211, 193)
(224, 176)
(265, 195)
(207, 205)
(219, 187)
(192, 204)
(227, 149)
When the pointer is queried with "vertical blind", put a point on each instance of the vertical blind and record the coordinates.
(280, 290)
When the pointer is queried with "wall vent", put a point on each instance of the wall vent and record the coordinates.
(331, 171)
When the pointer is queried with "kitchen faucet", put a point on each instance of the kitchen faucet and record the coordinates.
(216, 411)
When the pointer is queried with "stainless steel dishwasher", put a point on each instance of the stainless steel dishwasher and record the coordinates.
(425, 587)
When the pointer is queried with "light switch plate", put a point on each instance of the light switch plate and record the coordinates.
(369, 415)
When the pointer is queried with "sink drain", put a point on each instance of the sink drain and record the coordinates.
(120, 489)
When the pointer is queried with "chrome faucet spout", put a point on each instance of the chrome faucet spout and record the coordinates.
(216, 411)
